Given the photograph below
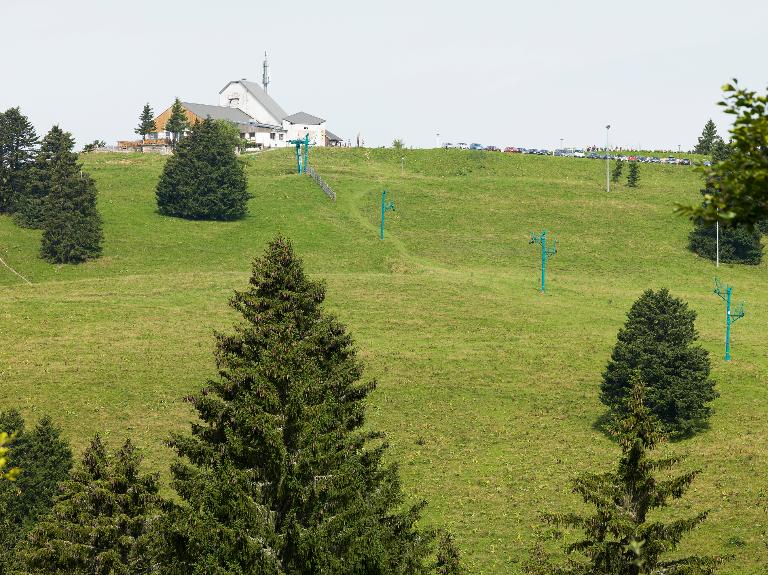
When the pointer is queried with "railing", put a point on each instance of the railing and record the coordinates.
(320, 182)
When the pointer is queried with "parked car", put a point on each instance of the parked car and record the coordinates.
(685, 162)
(475, 146)
(578, 153)
(512, 150)
(448, 145)
(492, 149)
(462, 146)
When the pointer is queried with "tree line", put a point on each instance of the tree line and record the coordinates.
(43, 186)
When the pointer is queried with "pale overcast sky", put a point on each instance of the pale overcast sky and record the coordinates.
(495, 72)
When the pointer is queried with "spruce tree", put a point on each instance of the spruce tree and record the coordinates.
(707, 139)
(146, 122)
(18, 142)
(100, 520)
(634, 175)
(279, 476)
(659, 339)
(617, 168)
(204, 178)
(177, 124)
(622, 536)
(56, 147)
(71, 221)
(45, 459)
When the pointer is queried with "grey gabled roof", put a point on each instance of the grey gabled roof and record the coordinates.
(332, 137)
(303, 118)
(265, 99)
(217, 112)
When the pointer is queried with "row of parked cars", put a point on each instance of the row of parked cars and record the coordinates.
(574, 153)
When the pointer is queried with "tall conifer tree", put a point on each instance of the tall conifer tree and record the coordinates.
(100, 520)
(279, 476)
(620, 537)
(204, 179)
(659, 339)
(56, 147)
(71, 221)
(146, 122)
(18, 142)
(634, 174)
(177, 124)
(707, 139)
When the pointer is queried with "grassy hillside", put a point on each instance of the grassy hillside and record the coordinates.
(488, 391)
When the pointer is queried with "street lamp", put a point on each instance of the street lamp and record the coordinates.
(607, 161)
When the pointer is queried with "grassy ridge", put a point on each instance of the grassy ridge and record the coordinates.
(487, 390)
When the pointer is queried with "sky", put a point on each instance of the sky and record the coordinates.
(504, 73)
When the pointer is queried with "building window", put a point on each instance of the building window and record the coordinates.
(271, 135)
(252, 134)
(281, 136)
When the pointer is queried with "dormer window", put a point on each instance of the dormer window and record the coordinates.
(234, 102)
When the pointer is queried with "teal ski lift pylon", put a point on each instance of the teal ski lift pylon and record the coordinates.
(546, 252)
(385, 207)
(725, 291)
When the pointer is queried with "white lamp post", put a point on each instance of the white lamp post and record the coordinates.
(607, 161)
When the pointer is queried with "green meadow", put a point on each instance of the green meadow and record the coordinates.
(487, 390)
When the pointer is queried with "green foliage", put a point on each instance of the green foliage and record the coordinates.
(231, 132)
(634, 174)
(739, 244)
(56, 147)
(11, 473)
(17, 149)
(45, 459)
(739, 184)
(398, 144)
(100, 520)
(658, 340)
(616, 172)
(720, 151)
(448, 561)
(204, 180)
(147, 121)
(71, 222)
(279, 476)
(708, 139)
(620, 538)
(177, 124)
(95, 145)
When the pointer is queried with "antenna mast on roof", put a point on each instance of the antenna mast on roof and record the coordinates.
(265, 77)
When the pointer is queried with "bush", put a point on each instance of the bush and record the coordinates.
(204, 180)
(658, 340)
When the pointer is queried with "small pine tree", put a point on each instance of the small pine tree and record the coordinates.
(56, 147)
(398, 144)
(448, 560)
(177, 124)
(279, 476)
(617, 168)
(658, 339)
(720, 151)
(634, 175)
(619, 537)
(18, 142)
(707, 139)
(100, 520)
(147, 122)
(71, 222)
(204, 180)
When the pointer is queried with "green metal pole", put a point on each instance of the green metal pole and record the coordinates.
(383, 211)
(728, 324)
(543, 261)
(298, 158)
(306, 151)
